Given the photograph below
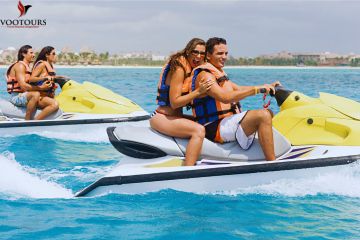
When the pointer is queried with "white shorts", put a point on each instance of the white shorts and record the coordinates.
(231, 130)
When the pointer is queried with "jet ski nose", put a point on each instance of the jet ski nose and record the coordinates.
(281, 94)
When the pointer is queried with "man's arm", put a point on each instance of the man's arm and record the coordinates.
(266, 86)
(255, 89)
(223, 95)
(235, 86)
(20, 71)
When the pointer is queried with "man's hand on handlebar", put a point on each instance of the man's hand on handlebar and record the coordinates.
(46, 85)
(267, 88)
(275, 84)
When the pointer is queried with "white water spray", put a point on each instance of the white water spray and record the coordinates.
(16, 181)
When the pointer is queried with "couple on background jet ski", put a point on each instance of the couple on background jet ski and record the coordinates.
(195, 77)
(33, 89)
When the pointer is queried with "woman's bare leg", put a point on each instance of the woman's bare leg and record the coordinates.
(182, 128)
(48, 106)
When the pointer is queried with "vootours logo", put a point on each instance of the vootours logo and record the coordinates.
(23, 23)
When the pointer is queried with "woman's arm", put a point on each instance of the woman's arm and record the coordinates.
(176, 84)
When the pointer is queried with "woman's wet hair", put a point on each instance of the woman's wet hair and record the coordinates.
(212, 42)
(42, 55)
(191, 45)
(23, 50)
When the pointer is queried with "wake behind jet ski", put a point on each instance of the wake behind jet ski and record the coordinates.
(81, 105)
(311, 135)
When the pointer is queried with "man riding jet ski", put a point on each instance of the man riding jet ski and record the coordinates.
(311, 136)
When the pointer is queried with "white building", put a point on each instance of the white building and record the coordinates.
(158, 58)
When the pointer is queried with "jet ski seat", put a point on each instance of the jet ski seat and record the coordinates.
(147, 137)
(11, 111)
(233, 151)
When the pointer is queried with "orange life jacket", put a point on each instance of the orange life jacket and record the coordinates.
(11, 81)
(163, 92)
(49, 72)
(49, 69)
(207, 109)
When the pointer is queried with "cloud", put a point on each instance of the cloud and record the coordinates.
(251, 27)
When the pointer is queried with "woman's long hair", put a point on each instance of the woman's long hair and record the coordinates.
(42, 55)
(173, 59)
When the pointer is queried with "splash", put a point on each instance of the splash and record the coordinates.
(17, 182)
(93, 136)
(80, 173)
(345, 181)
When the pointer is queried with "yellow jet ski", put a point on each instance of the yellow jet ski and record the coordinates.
(82, 105)
(327, 120)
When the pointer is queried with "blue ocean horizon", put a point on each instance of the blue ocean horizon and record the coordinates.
(40, 173)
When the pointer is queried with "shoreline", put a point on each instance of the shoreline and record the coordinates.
(226, 67)
(94, 66)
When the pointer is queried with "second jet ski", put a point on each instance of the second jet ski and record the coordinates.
(82, 105)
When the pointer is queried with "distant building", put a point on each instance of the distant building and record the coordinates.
(321, 59)
(158, 58)
(306, 57)
(66, 50)
(333, 59)
(8, 56)
(282, 55)
(86, 49)
(353, 56)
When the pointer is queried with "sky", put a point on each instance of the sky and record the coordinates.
(251, 28)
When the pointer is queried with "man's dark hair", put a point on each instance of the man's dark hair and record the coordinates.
(23, 50)
(211, 42)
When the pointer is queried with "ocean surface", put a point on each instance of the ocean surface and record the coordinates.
(39, 174)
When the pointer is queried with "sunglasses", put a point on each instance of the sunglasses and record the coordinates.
(53, 53)
(196, 53)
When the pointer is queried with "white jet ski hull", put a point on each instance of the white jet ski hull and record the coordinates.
(211, 176)
(67, 122)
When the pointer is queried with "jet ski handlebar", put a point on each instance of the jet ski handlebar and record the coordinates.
(61, 80)
(280, 94)
(263, 90)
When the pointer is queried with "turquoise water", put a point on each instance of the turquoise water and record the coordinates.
(40, 173)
